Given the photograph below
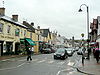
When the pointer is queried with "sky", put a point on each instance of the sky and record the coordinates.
(57, 15)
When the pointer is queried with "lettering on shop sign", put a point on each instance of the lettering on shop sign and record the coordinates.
(9, 37)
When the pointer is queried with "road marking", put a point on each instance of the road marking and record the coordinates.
(70, 63)
(58, 72)
(21, 65)
(12, 67)
(6, 60)
(41, 61)
(61, 63)
(50, 61)
(22, 60)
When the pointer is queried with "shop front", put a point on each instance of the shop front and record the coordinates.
(1, 48)
(24, 43)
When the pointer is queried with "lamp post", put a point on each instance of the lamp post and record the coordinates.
(80, 10)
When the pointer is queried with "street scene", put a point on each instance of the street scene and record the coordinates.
(49, 37)
(43, 64)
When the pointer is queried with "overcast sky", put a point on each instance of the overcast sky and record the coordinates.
(57, 15)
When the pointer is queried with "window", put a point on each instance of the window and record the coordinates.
(8, 29)
(31, 35)
(17, 31)
(24, 32)
(1, 27)
(21, 32)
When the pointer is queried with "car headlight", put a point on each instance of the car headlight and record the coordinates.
(54, 53)
(62, 54)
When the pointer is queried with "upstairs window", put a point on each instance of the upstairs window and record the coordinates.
(31, 35)
(1, 27)
(24, 32)
(17, 31)
(8, 29)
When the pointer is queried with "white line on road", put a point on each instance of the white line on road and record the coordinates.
(50, 61)
(40, 61)
(12, 67)
(58, 72)
(61, 63)
(70, 63)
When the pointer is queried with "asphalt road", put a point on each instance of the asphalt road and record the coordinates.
(42, 64)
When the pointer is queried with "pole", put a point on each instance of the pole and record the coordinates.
(88, 32)
(87, 28)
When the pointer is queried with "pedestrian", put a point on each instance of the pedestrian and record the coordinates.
(97, 52)
(83, 55)
(29, 52)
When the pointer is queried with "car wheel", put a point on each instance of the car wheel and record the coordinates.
(54, 57)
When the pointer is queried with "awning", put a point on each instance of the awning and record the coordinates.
(30, 42)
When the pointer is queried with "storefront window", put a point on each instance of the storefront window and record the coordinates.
(1, 27)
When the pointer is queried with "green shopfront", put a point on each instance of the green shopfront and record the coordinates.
(25, 43)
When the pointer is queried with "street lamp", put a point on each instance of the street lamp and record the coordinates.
(80, 10)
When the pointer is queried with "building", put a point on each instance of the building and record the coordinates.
(10, 32)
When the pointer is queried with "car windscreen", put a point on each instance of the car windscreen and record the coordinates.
(60, 51)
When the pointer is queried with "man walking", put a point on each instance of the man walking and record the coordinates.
(29, 52)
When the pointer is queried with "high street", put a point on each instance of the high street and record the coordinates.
(42, 64)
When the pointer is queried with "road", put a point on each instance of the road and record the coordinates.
(42, 64)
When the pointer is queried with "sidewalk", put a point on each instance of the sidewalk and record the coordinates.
(90, 66)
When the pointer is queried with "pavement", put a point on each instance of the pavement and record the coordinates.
(90, 67)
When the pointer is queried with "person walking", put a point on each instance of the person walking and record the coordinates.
(97, 52)
(29, 52)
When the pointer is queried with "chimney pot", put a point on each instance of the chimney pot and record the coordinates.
(15, 18)
(2, 11)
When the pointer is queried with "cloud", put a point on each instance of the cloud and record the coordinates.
(60, 15)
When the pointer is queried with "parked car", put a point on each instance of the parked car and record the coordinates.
(46, 50)
(69, 51)
(60, 53)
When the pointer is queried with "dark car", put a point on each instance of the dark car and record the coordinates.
(60, 53)
(69, 51)
(46, 50)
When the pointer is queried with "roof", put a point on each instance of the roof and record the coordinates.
(45, 32)
(6, 18)
(29, 26)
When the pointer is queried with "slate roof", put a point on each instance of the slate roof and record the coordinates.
(9, 19)
(45, 32)
(29, 26)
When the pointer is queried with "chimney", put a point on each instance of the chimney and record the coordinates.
(38, 27)
(25, 23)
(15, 18)
(2, 11)
(32, 23)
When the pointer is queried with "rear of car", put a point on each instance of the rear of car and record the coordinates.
(61, 53)
(46, 50)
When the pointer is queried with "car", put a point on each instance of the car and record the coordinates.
(69, 51)
(46, 50)
(60, 53)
